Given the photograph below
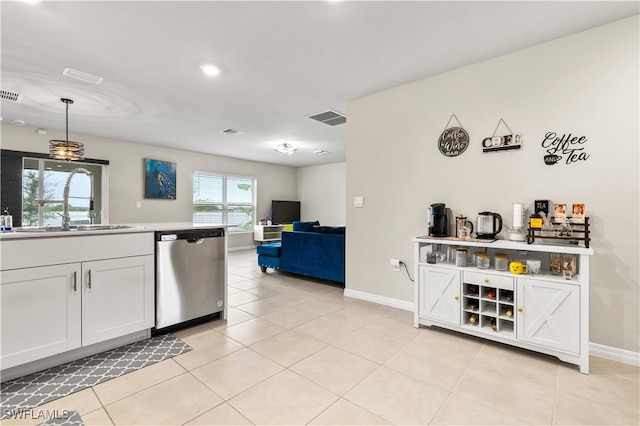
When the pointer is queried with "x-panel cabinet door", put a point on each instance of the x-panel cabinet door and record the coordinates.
(549, 314)
(439, 295)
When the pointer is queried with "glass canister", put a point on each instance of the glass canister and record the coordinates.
(482, 260)
(568, 265)
(461, 257)
(555, 263)
(501, 262)
(451, 254)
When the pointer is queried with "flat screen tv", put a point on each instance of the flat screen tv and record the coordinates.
(283, 212)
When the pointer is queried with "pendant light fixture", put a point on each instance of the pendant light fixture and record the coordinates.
(66, 150)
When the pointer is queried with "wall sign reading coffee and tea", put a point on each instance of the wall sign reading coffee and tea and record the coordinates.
(568, 147)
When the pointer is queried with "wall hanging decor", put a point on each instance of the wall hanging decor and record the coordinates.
(159, 179)
(567, 145)
(454, 140)
(506, 142)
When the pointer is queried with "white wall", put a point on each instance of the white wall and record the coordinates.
(322, 192)
(585, 84)
(126, 177)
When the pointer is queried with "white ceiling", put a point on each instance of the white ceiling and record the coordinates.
(280, 61)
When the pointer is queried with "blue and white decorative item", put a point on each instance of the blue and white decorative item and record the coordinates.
(6, 220)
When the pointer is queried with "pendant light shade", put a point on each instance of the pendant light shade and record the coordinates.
(66, 150)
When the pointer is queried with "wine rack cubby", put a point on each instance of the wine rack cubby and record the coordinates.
(488, 303)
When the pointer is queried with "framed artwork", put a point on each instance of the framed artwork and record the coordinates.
(159, 179)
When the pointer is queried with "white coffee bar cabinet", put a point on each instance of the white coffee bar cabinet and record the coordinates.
(540, 312)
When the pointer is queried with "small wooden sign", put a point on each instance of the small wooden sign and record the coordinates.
(454, 140)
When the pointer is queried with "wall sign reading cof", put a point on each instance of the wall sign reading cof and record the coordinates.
(571, 147)
(453, 141)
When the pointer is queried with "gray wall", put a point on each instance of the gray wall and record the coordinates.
(126, 178)
(322, 193)
(585, 84)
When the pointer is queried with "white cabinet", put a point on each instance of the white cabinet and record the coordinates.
(117, 297)
(544, 313)
(439, 295)
(40, 314)
(55, 308)
(266, 233)
(549, 314)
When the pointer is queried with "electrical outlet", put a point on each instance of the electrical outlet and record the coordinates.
(395, 265)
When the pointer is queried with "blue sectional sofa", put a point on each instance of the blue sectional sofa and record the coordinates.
(310, 249)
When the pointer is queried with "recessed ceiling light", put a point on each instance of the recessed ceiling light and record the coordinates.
(18, 122)
(210, 69)
(320, 152)
(285, 148)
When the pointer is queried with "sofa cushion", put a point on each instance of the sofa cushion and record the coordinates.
(272, 249)
(304, 226)
(330, 229)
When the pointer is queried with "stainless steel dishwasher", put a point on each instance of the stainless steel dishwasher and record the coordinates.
(190, 277)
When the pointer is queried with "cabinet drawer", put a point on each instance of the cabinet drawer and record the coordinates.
(487, 279)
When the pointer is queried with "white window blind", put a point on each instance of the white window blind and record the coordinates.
(219, 198)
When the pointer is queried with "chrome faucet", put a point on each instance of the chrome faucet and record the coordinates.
(66, 218)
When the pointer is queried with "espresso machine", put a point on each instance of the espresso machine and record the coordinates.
(438, 226)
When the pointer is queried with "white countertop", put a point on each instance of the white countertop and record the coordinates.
(507, 244)
(132, 228)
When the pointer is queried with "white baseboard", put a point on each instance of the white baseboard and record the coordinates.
(242, 248)
(602, 351)
(615, 354)
(382, 300)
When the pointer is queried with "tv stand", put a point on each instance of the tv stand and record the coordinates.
(269, 233)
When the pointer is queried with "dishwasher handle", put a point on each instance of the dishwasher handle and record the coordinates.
(195, 240)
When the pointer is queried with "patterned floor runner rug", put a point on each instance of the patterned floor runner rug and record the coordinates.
(25, 393)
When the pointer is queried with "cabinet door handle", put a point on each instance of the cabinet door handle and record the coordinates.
(486, 280)
(457, 297)
(519, 309)
(75, 281)
(89, 279)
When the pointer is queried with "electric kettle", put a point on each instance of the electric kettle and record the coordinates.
(488, 225)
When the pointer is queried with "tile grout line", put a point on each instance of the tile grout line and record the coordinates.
(462, 376)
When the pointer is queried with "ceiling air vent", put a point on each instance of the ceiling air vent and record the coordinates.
(5, 95)
(81, 75)
(231, 132)
(330, 118)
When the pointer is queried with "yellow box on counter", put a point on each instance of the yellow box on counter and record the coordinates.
(535, 222)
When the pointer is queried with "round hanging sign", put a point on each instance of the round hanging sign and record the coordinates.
(453, 141)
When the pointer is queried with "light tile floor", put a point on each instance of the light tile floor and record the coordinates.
(296, 351)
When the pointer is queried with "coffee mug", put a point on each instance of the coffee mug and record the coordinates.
(518, 268)
(534, 265)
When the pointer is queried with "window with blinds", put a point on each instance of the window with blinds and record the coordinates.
(220, 198)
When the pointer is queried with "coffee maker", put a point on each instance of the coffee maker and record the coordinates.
(438, 226)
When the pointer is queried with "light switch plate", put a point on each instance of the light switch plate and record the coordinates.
(358, 201)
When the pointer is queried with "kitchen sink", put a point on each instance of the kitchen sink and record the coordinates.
(100, 227)
(72, 228)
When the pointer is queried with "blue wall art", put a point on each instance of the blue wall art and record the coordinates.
(159, 179)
